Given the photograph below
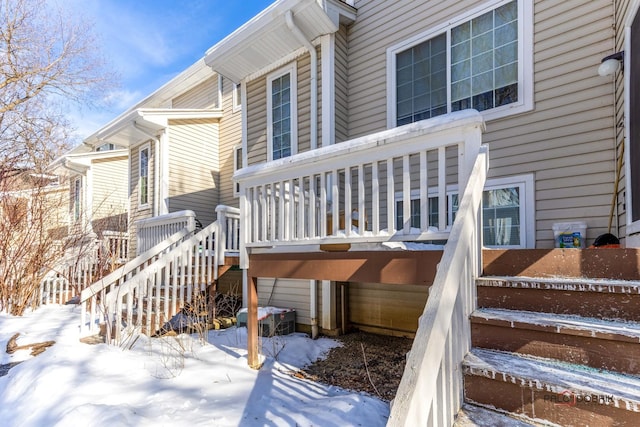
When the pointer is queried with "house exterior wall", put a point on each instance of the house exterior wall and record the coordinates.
(109, 194)
(257, 110)
(137, 212)
(194, 167)
(230, 137)
(290, 293)
(342, 84)
(203, 95)
(383, 307)
(566, 141)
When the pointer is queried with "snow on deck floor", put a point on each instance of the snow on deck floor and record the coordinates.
(168, 381)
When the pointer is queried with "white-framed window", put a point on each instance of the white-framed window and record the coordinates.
(282, 123)
(434, 220)
(107, 147)
(237, 165)
(77, 199)
(143, 175)
(507, 211)
(237, 97)
(482, 60)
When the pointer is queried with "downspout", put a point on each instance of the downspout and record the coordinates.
(313, 291)
(156, 171)
(314, 77)
(313, 129)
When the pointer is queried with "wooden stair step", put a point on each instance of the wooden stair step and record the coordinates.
(477, 416)
(539, 389)
(599, 298)
(601, 344)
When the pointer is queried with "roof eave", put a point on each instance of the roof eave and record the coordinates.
(266, 38)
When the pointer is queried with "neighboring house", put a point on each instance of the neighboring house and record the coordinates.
(181, 141)
(97, 185)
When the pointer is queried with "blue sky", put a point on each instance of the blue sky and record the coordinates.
(150, 41)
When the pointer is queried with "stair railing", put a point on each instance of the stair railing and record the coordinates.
(92, 297)
(431, 389)
(144, 302)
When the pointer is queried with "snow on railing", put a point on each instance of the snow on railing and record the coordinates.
(144, 302)
(392, 185)
(431, 389)
(151, 231)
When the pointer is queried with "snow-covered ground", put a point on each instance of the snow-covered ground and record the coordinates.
(174, 381)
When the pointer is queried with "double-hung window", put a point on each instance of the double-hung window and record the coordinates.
(507, 211)
(237, 165)
(237, 97)
(281, 113)
(143, 180)
(77, 198)
(481, 60)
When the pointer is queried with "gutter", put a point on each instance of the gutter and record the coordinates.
(313, 127)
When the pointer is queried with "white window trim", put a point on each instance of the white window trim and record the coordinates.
(289, 69)
(77, 204)
(236, 187)
(140, 150)
(527, 205)
(525, 60)
(237, 100)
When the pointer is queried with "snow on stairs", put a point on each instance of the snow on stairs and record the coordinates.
(557, 351)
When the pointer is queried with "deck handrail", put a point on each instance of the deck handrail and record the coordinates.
(151, 231)
(352, 191)
(431, 389)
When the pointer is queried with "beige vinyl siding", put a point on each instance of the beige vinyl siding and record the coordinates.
(230, 136)
(342, 85)
(564, 141)
(193, 167)
(257, 113)
(256, 121)
(289, 293)
(135, 211)
(304, 104)
(386, 307)
(110, 190)
(203, 95)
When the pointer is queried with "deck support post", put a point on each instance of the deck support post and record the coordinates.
(253, 357)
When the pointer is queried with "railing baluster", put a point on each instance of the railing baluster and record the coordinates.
(391, 200)
(347, 201)
(406, 195)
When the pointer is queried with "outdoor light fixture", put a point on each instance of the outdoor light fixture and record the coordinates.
(610, 64)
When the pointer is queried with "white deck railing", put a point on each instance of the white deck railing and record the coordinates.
(431, 389)
(151, 231)
(296, 199)
(83, 265)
